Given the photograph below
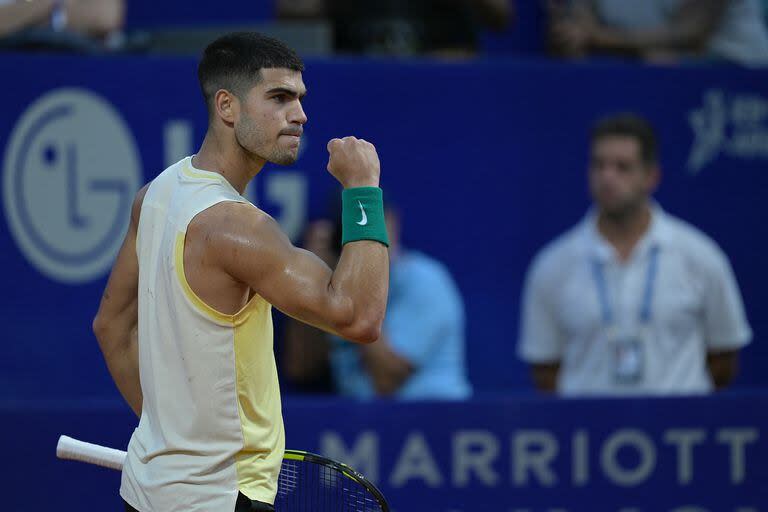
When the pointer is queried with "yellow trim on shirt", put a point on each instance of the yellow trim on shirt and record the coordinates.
(213, 314)
(258, 402)
(190, 172)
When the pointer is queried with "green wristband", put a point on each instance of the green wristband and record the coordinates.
(362, 215)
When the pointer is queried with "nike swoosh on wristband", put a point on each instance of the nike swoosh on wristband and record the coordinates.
(364, 220)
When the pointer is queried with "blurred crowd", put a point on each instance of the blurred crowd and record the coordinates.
(61, 25)
(657, 31)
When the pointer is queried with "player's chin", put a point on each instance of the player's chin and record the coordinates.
(285, 158)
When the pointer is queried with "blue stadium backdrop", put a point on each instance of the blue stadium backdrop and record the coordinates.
(487, 161)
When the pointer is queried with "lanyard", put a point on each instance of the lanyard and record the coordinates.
(650, 280)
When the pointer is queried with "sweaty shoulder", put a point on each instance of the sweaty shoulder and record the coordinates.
(229, 219)
(236, 236)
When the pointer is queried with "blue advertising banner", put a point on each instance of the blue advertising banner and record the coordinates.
(486, 160)
(549, 455)
(512, 455)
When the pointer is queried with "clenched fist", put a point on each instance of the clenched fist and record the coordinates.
(353, 162)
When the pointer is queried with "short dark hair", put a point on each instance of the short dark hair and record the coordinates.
(629, 125)
(234, 62)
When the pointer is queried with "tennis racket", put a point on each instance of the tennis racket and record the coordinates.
(307, 482)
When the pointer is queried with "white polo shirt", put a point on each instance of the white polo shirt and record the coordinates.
(694, 307)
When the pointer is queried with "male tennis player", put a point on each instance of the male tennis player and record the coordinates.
(185, 321)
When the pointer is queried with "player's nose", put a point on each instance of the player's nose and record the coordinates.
(298, 115)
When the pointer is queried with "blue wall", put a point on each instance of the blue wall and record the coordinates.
(459, 144)
(664, 455)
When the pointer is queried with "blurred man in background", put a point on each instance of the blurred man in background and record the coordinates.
(66, 24)
(631, 300)
(421, 353)
(661, 30)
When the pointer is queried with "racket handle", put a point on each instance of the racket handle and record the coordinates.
(72, 449)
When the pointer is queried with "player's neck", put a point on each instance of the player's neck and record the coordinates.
(220, 155)
(623, 232)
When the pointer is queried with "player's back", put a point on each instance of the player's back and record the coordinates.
(211, 419)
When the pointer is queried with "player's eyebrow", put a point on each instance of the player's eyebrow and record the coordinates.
(288, 92)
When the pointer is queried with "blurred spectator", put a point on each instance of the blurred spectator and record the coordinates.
(421, 352)
(662, 31)
(404, 27)
(73, 24)
(632, 300)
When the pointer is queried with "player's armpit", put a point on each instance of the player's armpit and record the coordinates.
(350, 301)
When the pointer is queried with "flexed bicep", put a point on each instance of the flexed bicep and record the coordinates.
(249, 246)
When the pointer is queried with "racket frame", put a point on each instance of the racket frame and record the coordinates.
(342, 468)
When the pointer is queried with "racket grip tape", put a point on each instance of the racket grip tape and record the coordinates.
(73, 449)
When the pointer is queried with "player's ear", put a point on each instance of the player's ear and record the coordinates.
(226, 105)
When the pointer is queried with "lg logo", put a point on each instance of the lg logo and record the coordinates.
(71, 170)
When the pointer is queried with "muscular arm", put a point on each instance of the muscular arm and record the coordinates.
(545, 376)
(116, 323)
(350, 301)
(723, 366)
(19, 15)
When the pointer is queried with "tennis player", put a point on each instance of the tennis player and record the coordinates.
(185, 321)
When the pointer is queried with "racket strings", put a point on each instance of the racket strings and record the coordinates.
(289, 477)
(305, 486)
